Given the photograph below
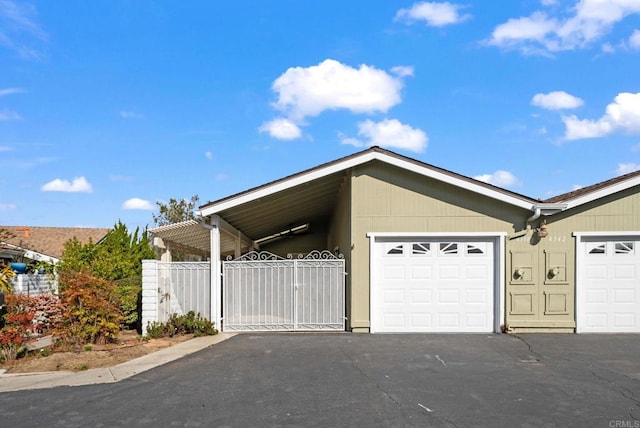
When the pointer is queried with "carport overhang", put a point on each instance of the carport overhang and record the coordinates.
(309, 197)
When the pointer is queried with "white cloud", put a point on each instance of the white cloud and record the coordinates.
(389, 133)
(331, 85)
(634, 39)
(626, 168)
(79, 184)
(635, 148)
(499, 178)
(208, 155)
(548, 2)
(221, 176)
(7, 115)
(282, 129)
(587, 22)
(10, 91)
(137, 204)
(608, 48)
(556, 100)
(127, 114)
(433, 14)
(403, 70)
(578, 129)
(19, 29)
(623, 114)
(7, 206)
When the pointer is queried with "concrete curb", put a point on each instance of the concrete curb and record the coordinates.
(21, 381)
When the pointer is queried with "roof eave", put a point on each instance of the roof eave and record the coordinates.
(359, 159)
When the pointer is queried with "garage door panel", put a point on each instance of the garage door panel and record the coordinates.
(394, 297)
(624, 272)
(477, 272)
(609, 285)
(421, 272)
(449, 272)
(421, 296)
(435, 286)
(477, 297)
(624, 296)
(624, 320)
(394, 272)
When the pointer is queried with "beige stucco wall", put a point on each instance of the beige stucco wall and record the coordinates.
(389, 199)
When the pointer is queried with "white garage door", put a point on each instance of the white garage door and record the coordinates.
(608, 285)
(433, 285)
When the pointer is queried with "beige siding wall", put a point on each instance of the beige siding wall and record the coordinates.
(542, 298)
(388, 199)
(340, 237)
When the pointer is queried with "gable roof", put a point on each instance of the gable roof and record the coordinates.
(49, 241)
(598, 190)
(347, 162)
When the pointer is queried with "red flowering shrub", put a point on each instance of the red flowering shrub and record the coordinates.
(17, 327)
(91, 312)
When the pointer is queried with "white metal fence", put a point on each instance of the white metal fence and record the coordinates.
(262, 291)
(183, 287)
(33, 284)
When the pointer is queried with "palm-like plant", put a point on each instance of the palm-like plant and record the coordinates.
(6, 273)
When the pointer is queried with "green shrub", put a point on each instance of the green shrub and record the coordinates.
(130, 290)
(189, 323)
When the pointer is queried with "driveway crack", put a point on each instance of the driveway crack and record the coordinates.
(388, 396)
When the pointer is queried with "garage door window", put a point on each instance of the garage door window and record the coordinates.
(395, 251)
(624, 248)
(596, 248)
(421, 249)
(448, 248)
(475, 249)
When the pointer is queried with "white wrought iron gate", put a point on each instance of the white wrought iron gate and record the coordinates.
(262, 291)
(183, 287)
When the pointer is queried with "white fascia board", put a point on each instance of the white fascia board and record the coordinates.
(286, 184)
(592, 196)
(613, 233)
(550, 209)
(458, 182)
(359, 160)
(39, 257)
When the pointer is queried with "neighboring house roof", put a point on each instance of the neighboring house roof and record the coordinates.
(49, 241)
(596, 191)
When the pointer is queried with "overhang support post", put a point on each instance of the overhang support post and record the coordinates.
(216, 272)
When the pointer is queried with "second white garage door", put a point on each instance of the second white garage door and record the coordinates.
(608, 285)
(433, 285)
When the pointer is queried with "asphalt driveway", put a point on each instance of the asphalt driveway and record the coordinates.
(344, 379)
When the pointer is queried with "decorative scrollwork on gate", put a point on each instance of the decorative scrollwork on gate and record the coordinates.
(320, 255)
(253, 256)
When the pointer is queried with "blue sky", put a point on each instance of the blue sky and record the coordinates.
(108, 106)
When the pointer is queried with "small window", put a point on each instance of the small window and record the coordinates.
(597, 248)
(421, 248)
(395, 250)
(448, 248)
(623, 248)
(472, 249)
